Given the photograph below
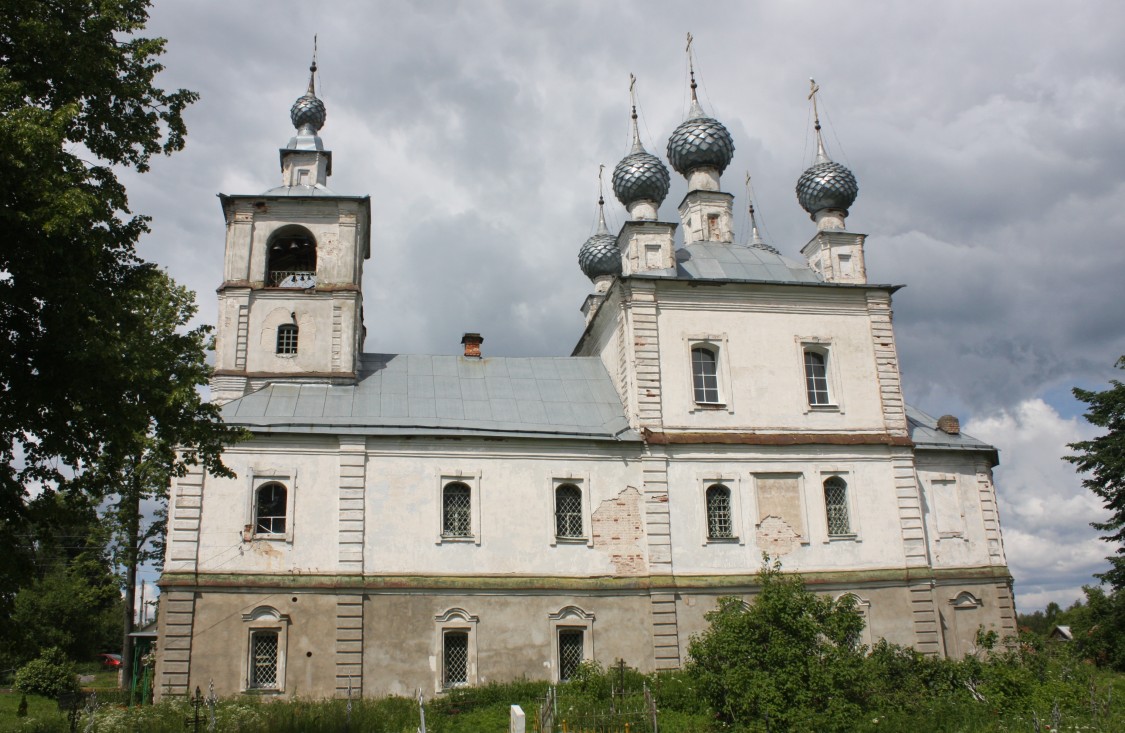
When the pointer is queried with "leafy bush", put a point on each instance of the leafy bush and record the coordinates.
(50, 675)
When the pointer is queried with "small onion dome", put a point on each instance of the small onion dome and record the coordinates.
(308, 113)
(826, 185)
(640, 176)
(700, 142)
(599, 255)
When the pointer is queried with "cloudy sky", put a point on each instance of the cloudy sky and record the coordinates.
(986, 138)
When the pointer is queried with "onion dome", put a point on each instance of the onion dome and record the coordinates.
(825, 184)
(599, 256)
(700, 141)
(308, 112)
(640, 176)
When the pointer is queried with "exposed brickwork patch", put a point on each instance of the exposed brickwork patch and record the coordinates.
(618, 530)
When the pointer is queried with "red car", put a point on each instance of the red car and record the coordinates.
(110, 661)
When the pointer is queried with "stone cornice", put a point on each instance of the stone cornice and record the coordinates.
(733, 438)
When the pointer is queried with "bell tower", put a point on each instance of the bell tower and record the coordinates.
(291, 300)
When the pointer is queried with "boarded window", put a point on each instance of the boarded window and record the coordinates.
(947, 509)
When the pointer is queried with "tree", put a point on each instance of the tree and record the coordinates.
(1103, 458)
(76, 98)
(791, 659)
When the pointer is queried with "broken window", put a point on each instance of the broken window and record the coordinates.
(270, 504)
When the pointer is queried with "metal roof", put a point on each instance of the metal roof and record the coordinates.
(418, 394)
(719, 261)
(925, 434)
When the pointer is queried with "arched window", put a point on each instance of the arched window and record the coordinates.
(287, 338)
(568, 511)
(705, 375)
(719, 524)
(816, 378)
(291, 259)
(269, 509)
(456, 510)
(836, 506)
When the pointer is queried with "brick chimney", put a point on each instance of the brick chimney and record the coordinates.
(949, 424)
(472, 342)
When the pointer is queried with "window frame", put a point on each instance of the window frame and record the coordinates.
(264, 620)
(846, 474)
(711, 494)
(836, 479)
(824, 348)
(472, 480)
(582, 483)
(287, 328)
(733, 483)
(455, 620)
(570, 618)
(258, 478)
(717, 344)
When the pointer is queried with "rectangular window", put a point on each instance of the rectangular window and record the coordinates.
(263, 660)
(571, 647)
(457, 510)
(705, 375)
(568, 511)
(455, 658)
(816, 378)
(836, 506)
(287, 339)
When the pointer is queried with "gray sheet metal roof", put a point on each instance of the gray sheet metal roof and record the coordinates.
(925, 434)
(718, 261)
(418, 394)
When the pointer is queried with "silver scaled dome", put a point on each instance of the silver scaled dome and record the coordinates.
(826, 185)
(599, 255)
(700, 142)
(640, 176)
(308, 114)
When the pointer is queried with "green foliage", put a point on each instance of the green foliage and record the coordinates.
(1103, 458)
(50, 675)
(1099, 627)
(790, 658)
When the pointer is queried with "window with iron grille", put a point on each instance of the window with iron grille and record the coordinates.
(456, 510)
(287, 338)
(836, 506)
(571, 652)
(269, 509)
(263, 660)
(705, 375)
(568, 511)
(455, 658)
(719, 524)
(816, 378)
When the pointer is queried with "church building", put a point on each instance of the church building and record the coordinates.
(412, 521)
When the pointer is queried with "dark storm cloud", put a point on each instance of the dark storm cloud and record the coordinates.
(985, 137)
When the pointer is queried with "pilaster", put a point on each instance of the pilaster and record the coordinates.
(349, 645)
(173, 669)
(184, 518)
(353, 462)
(886, 362)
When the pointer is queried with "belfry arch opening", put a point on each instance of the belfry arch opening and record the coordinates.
(291, 258)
